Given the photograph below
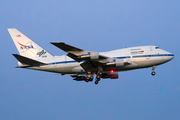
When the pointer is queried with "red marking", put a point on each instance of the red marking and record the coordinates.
(21, 44)
(111, 71)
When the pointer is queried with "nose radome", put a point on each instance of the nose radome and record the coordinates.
(171, 56)
(168, 56)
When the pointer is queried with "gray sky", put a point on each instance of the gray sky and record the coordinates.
(98, 26)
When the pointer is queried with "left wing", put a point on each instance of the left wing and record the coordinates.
(78, 54)
(93, 61)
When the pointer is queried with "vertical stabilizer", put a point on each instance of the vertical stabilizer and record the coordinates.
(27, 47)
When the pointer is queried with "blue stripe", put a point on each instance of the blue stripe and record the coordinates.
(138, 56)
(121, 57)
(170, 54)
(153, 55)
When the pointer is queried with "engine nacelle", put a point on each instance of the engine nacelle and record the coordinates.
(91, 55)
(82, 78)
(119, 62)
(94, 55)
(110, 75)
(79, 78)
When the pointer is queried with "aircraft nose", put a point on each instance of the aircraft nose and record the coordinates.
(171, 56)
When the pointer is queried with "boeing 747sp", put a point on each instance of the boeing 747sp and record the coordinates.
(83, 65)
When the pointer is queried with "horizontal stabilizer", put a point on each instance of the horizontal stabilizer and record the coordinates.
(28, 61)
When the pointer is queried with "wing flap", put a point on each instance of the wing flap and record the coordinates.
(74, 57)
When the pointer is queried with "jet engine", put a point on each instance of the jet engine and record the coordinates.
(79, 78)
(82, 78)
(91, 55)
(110, 75)
(117, 62)
(94, 55)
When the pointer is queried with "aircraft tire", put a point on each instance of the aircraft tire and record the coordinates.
(87, 79)
(97, 76)
(96, 82)
(153, 73)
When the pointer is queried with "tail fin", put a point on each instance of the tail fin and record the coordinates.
(27, 47)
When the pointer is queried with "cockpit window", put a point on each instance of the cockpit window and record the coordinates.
(157, 48)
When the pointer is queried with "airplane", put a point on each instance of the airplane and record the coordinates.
(83, 65)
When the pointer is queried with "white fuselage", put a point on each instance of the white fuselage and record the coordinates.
(138, 57)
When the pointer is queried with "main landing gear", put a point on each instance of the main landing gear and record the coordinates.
(153, 72)
(98, 77)
(89, 77)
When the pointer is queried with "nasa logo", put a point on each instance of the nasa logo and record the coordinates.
(27, 46)
(41, 53)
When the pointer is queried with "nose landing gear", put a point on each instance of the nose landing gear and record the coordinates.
(153, 72)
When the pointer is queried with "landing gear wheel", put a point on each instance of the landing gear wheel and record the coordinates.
(96, 82)
(98, 77)
(153, 73)
(87, 79)
(91, 78)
